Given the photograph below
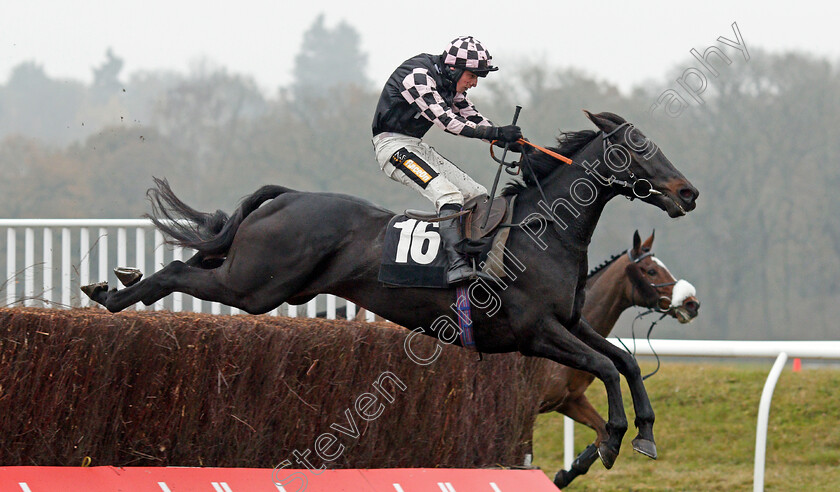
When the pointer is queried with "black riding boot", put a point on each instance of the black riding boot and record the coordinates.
(450, 232)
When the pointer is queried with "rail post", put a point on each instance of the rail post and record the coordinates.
(763, 418)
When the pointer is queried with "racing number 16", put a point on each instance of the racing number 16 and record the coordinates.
(418, 241)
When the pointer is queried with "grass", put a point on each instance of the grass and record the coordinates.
(705, 431)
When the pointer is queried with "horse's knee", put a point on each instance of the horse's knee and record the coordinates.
(630, 368)
(605, 370)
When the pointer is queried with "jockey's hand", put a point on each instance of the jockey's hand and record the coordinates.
(508, 133)
(512, 146)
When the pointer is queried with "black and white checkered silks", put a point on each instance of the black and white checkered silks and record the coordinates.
(421, 91)
(467, 52)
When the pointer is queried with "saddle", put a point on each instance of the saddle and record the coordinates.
(476, 210)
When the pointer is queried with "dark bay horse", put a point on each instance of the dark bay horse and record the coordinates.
(283, 245)
(633, 278)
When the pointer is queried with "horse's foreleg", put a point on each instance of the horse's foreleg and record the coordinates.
(554, 342)
(627, 366)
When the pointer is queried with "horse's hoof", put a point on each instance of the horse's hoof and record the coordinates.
(128, 276)
(607, 455)
(645, 447)
(92, 289)
(563, 479)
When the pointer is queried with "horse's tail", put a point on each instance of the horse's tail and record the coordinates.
(210, 234)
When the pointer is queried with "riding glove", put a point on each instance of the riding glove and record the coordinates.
(504, 134)
(511, 146)
(508, 133)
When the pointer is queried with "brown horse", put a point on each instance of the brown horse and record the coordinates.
(633, 278)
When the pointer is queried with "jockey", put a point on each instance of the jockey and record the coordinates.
(426, 90)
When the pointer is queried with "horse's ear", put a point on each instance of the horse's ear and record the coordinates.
(607, 122)
(648, 244)
(637, 243)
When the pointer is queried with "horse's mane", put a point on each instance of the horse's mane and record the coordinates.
(568, 144)
(605, 264)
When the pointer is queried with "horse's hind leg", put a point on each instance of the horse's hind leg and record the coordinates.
(627, 366)
(579, 467)
(582, 411)
(129, 276)
(206, 284)
(148, 290)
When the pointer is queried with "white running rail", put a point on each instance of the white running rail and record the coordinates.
(59, 256)
(780, 350)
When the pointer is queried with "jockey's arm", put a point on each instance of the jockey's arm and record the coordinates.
(464, 120)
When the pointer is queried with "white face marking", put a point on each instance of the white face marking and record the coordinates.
(662, 266)
(659, 262)
(682, 291)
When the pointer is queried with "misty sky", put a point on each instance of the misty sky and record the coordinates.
(625, 43)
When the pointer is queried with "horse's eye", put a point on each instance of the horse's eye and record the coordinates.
(651, 272)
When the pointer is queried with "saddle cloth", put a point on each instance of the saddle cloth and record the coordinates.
(413, 253)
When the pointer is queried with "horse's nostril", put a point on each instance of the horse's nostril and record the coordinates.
(692, 306)
(687, 194)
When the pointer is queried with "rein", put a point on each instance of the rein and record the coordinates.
(633, 336)
(513, 168)
(546, 151)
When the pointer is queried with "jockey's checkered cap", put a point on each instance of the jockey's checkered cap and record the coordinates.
(468, 53)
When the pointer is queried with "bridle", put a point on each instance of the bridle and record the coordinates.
(647, 189)
(660, 307)
(640, 187)
(657, 309)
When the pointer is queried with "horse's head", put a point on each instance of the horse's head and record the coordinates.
(653, 286)
(634, 159)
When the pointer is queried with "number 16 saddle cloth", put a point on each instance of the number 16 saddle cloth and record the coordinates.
(413, 252)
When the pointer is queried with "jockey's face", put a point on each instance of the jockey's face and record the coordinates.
(468, 80)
